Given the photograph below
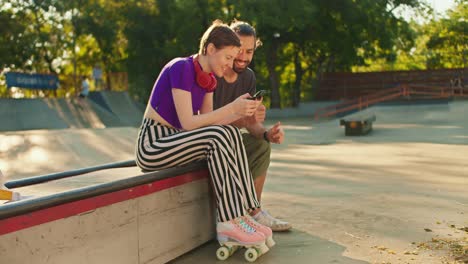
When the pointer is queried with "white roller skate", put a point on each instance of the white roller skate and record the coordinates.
(235, 234)
(276, 225)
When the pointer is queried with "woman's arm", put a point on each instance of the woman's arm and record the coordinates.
(183, 104)
(207, 107)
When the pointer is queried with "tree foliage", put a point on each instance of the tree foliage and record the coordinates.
(448, 39)
(302, 39)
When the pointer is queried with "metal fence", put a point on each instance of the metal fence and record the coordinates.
(338, 86)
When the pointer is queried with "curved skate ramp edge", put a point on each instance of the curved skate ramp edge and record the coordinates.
(97, 98)
(29, 114)
(61, 113)
(121, 105)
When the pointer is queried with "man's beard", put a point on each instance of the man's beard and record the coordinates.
(238, 69)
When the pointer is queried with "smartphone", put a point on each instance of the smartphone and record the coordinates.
(259, 94)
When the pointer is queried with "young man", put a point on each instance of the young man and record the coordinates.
(237, 81)
(84, 87)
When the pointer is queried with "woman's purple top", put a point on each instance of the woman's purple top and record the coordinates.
(179, 73)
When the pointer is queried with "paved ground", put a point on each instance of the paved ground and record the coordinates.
(293, 247)
(395, 196)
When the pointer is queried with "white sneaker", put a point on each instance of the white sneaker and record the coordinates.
(264, 218)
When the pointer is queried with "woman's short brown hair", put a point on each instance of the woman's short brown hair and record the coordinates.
(221, 35)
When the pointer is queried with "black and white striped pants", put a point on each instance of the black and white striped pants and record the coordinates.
(161, 147)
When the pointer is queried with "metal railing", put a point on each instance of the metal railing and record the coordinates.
(61, 175)
(429, 92)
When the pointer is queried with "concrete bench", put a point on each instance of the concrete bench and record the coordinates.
(149, 218)
(358, 125)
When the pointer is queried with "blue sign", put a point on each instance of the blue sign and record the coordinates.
(31, 81)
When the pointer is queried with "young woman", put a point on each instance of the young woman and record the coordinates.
(180, 126)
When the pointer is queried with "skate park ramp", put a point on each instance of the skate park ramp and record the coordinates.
(121, 105)
(36, 152)
(444, 122)
(350, 199)
(27, 114)
(83, 114)
(104, 109)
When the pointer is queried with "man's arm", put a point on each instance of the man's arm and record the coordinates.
(274, 135)
(207, 106)
(256, 129)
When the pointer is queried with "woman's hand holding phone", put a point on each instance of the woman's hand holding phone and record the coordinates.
(258, 95)
(244, 107)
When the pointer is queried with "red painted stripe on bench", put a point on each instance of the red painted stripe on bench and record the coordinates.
(77, 207)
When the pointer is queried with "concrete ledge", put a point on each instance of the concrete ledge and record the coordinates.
(140, 220)
(358, 125)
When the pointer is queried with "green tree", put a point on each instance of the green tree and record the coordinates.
(32, 36)
(158, 31)
(42, 22)
(312, 37)
(431, 44)
(103, 21)
(15, 48)
(301, 40)
(447, 46)
(278, 23)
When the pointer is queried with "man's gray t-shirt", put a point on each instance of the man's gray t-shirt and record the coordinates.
(226, 92)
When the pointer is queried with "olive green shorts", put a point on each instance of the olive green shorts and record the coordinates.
(258, 154)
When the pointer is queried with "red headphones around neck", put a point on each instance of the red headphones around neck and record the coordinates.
(205, 80)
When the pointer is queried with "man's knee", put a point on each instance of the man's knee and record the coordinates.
(258, 146)
(265, 147)
(258, 154)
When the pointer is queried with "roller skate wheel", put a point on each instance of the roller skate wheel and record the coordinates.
(222, 253)
(251, 255)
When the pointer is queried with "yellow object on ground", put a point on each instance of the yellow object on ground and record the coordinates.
(7, 195)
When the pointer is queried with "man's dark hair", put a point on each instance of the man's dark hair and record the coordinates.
(245, 29)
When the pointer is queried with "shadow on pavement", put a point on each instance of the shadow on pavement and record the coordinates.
(291, 247)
